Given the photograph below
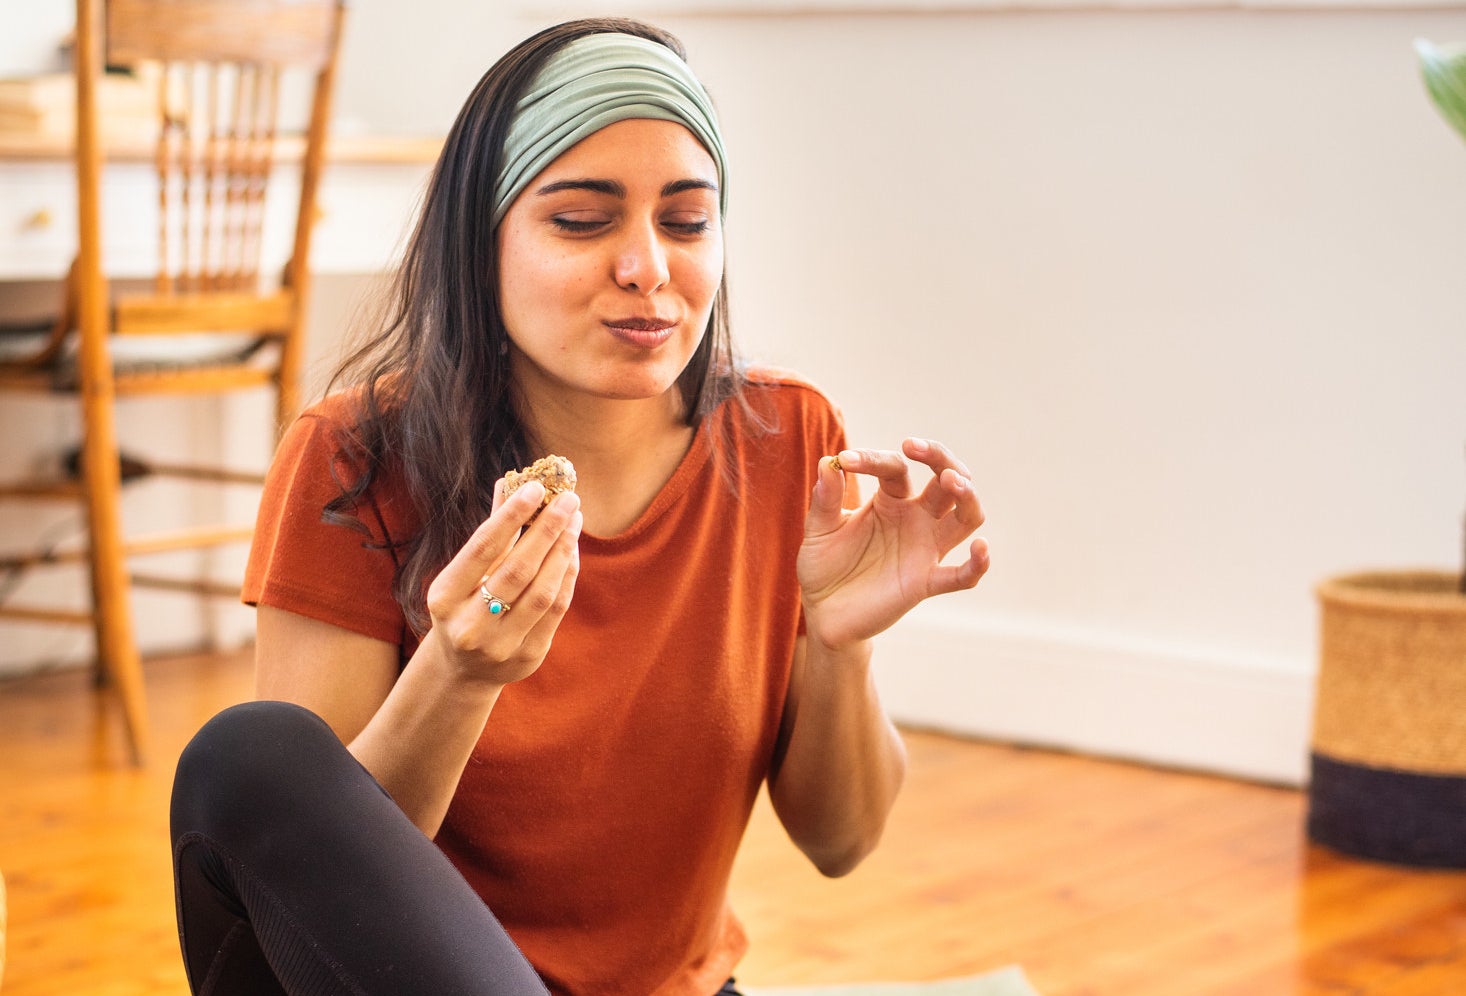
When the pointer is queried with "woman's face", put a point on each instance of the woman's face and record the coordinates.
(609, 261)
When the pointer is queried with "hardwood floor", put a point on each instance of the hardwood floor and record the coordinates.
(1096, 877)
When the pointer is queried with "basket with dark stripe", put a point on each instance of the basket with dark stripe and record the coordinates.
(1388, 771)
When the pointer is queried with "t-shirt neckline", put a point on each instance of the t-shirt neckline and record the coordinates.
(677, 485)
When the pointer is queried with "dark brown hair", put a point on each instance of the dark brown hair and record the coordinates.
(435, 402)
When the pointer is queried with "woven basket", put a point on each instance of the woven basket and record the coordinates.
(1389, 727)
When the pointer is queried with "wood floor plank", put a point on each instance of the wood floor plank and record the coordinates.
(1097, 877)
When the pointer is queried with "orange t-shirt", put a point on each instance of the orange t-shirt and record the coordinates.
(601, 810)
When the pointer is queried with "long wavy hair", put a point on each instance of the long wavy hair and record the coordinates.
(435, 402)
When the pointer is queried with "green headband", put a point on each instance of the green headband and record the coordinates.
(593, 82)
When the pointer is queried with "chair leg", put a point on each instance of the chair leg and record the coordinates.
(101, 473)
(101, 675)
(120, 664)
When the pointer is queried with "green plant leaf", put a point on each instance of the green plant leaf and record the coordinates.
(1444, 69)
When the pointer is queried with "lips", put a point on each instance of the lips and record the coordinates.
(642, 324)
(644, 332)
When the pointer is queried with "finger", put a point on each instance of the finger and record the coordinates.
(826, 503)
(935, 455)
(497, 503)
(536, 595)
(542, 632)
(888, 467)
(518, 634)
(494, 537)
(950, 485)
(959, 577)
(511, 576)
(547, 564)
(962, 514)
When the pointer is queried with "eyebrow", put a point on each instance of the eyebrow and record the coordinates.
(678, 186)
(617, 189)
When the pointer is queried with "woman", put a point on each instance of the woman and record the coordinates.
(555, 722)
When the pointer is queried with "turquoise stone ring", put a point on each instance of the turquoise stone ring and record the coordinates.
(497, 606)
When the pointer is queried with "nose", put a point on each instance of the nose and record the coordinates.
(641, 260)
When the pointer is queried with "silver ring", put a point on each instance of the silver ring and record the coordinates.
(497, 606)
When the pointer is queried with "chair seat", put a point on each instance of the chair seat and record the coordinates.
(19, 346)
(161, 342)
(143, 364)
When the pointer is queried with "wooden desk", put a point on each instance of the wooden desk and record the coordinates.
(368, 198)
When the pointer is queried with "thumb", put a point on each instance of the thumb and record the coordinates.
(826, 503)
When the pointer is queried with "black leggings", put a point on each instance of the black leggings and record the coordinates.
(296, 873)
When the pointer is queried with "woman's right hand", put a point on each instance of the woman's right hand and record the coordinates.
(531, 572)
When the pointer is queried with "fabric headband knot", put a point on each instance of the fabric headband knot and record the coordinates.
(593, 82)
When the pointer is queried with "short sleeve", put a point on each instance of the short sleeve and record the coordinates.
(326, 570)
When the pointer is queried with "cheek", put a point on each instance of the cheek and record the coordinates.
(513, 285)
(704, 275)
(531, 281)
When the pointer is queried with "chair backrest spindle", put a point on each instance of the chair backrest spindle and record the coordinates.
(214, 155)
(187, 157)
(219, 87)
(211, 162)
(260, 160)
(163, 160)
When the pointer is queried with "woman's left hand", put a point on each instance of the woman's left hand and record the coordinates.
(862, 570)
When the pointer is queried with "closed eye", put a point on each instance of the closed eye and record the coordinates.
(575, 226)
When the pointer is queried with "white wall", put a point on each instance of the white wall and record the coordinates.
(1182, 286)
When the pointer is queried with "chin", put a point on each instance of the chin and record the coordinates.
(641, 385)
(634, 392)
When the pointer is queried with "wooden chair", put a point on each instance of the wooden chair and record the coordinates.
(218, 65)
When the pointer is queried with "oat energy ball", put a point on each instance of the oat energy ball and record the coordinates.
(556, 473)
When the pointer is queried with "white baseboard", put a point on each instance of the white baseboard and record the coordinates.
(1169, 706)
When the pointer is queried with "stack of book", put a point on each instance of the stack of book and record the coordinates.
(43, 107)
